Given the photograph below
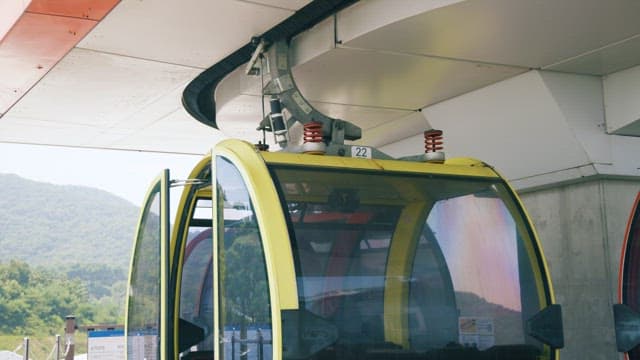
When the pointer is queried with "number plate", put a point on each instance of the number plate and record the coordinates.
(362, 152)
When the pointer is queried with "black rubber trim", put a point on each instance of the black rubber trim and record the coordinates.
(198, 97)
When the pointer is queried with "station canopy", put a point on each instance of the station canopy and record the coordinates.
(110, 74)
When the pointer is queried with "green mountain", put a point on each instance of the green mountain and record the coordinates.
(50, 225)
(63, 250)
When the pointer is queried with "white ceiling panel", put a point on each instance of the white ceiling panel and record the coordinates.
(35, 131)
(238, 83)
(610, 59)
(103, 95)
(391, 80)
(100, 90)
(362, 116)
(622, 108)
(176, 132)
(240, 117)
(159, 127)
(366, 16)
(11, 11)
(188, 32)
(396, 130)
(514, 125)
(520, 33)
(283, 4)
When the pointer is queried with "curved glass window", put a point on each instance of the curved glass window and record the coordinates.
(406, 266)
(196, 296)
(245, 310)
(143, 322)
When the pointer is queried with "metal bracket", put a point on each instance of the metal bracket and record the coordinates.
(251, 68)
(283, 86)
(627, 325)
(546, 326)
(185, 182)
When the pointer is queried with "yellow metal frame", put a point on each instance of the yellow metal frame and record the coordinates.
(457, 166)
(182, 205)
(396, 295)
(184, 213)
(159, 185)
(518, 206)
(164, 263)
(154, 188)
(273, 229)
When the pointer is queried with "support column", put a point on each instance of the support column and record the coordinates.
(69, 331)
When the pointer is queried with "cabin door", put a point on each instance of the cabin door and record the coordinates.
(243, 312)
(147, 304)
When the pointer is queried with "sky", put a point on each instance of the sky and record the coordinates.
(126, 174)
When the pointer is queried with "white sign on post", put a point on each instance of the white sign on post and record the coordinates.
(105, 345)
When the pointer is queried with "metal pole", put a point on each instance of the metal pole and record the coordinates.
(26, 348)
(260, 345)
(57, 347)
(69, 331)
(233, 344)
(243, 340)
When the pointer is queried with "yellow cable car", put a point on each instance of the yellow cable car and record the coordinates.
(347, 255)
(276, 255)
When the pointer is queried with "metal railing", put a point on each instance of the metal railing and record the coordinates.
(55, 354)
(260, 341)
(26, 355)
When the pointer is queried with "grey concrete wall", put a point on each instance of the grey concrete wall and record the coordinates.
(581, 227)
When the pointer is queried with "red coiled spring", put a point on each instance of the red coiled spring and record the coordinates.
(433, 141)
(312, 132)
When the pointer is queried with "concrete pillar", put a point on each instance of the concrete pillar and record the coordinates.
(581, 227)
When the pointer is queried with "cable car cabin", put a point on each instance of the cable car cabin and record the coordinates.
(275, 255)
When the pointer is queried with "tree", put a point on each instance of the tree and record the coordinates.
(35, 301)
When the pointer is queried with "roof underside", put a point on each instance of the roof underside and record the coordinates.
(120, 86)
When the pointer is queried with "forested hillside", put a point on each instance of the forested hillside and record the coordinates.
(46, 224)
(35, 301)
(63, 250)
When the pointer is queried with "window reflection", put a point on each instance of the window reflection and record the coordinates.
(245, 309)
(408, 264)
(477, 236)
(144, 293)
(196, 296)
